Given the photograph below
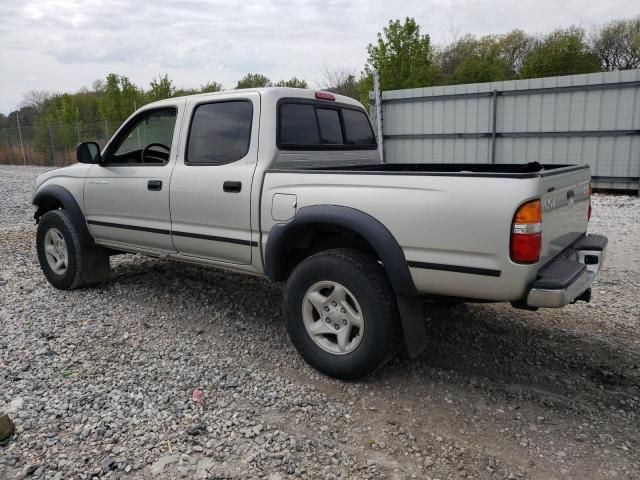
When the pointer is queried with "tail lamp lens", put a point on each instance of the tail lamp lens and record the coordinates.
(526, 233)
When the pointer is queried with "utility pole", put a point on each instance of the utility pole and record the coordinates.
(378, 94)
(53, 151)
(24, 158)
(8, 150)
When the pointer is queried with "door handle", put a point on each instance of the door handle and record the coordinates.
(154, 185)
(233, 187)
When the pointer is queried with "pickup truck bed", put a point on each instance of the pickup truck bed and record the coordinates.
(461, 253)
(528, 170)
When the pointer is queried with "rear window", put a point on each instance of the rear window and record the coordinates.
(298, 125)
(357, 128)
(330, 129)
(315, 126)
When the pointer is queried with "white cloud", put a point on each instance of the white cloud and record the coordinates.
(63, 45)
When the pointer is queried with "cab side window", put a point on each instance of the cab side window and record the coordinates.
(147, 141)
(220, 133)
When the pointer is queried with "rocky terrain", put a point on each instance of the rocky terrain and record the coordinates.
(178, 371)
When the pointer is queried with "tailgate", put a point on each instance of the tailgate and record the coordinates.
(565, 206)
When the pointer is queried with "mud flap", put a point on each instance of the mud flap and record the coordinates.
(413, 324)
(97, 267)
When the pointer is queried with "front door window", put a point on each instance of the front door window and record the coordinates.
(147, 140)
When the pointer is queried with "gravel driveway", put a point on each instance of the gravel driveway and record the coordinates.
(100, 382)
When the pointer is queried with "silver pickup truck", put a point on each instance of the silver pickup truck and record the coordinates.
(288, 184)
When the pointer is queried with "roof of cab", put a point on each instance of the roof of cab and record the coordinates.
(271, 93)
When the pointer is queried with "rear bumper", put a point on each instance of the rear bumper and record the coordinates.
(569, 276)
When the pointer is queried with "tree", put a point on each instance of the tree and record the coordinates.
(562, 52)
(211, 87)
(68, 121)
(448, 58)
(253, 80)
(161, 87)
(131, 97)
(485, 59)
(514, 48)
(341, 80)
(110, 100)
(257, 80)
(208, 87)
(617, 44)
(36, 99)
(402, 56)
(478, 69)
(119, 98)
(293, 82)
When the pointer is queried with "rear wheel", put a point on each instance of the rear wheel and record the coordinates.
(66, 261)
(341, 313)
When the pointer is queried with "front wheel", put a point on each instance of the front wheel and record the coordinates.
(341, 313)
(66, 260)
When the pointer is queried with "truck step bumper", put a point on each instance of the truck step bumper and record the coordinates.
(568, 277)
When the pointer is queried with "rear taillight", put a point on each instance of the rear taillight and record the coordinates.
(526, 233)
(589, 214)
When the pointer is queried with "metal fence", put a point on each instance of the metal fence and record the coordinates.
(50, 144)
(578, 119)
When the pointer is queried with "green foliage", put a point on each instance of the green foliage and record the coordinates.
(478, 69)
(210, 87)
(617, 44)
(258, 80)
(253, 80)
(514, 48)
(562, 52)
(363, 87)
(181, 92)
(293, 82)
(485, 59)
(118, 98)
(69, 122)
(402, 56)
(160, 88)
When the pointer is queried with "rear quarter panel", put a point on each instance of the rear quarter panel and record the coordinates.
(449, 220)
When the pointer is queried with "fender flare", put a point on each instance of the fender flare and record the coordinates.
(384, 244)
(69, 203)
(369, 228)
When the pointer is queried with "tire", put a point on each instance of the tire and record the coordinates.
(360, 343)
(57, 240)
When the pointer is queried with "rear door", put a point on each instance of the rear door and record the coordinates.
(211, 183)
(127, 196)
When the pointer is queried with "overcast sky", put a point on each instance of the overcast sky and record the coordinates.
(61, 45)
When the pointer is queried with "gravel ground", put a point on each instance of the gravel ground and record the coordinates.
(100, 381)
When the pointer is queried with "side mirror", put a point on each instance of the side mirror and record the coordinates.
(88, 152)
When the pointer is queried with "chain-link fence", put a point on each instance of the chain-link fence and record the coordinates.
(50, 144)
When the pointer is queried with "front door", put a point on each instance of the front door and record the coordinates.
(127, 195)
(211, 184)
